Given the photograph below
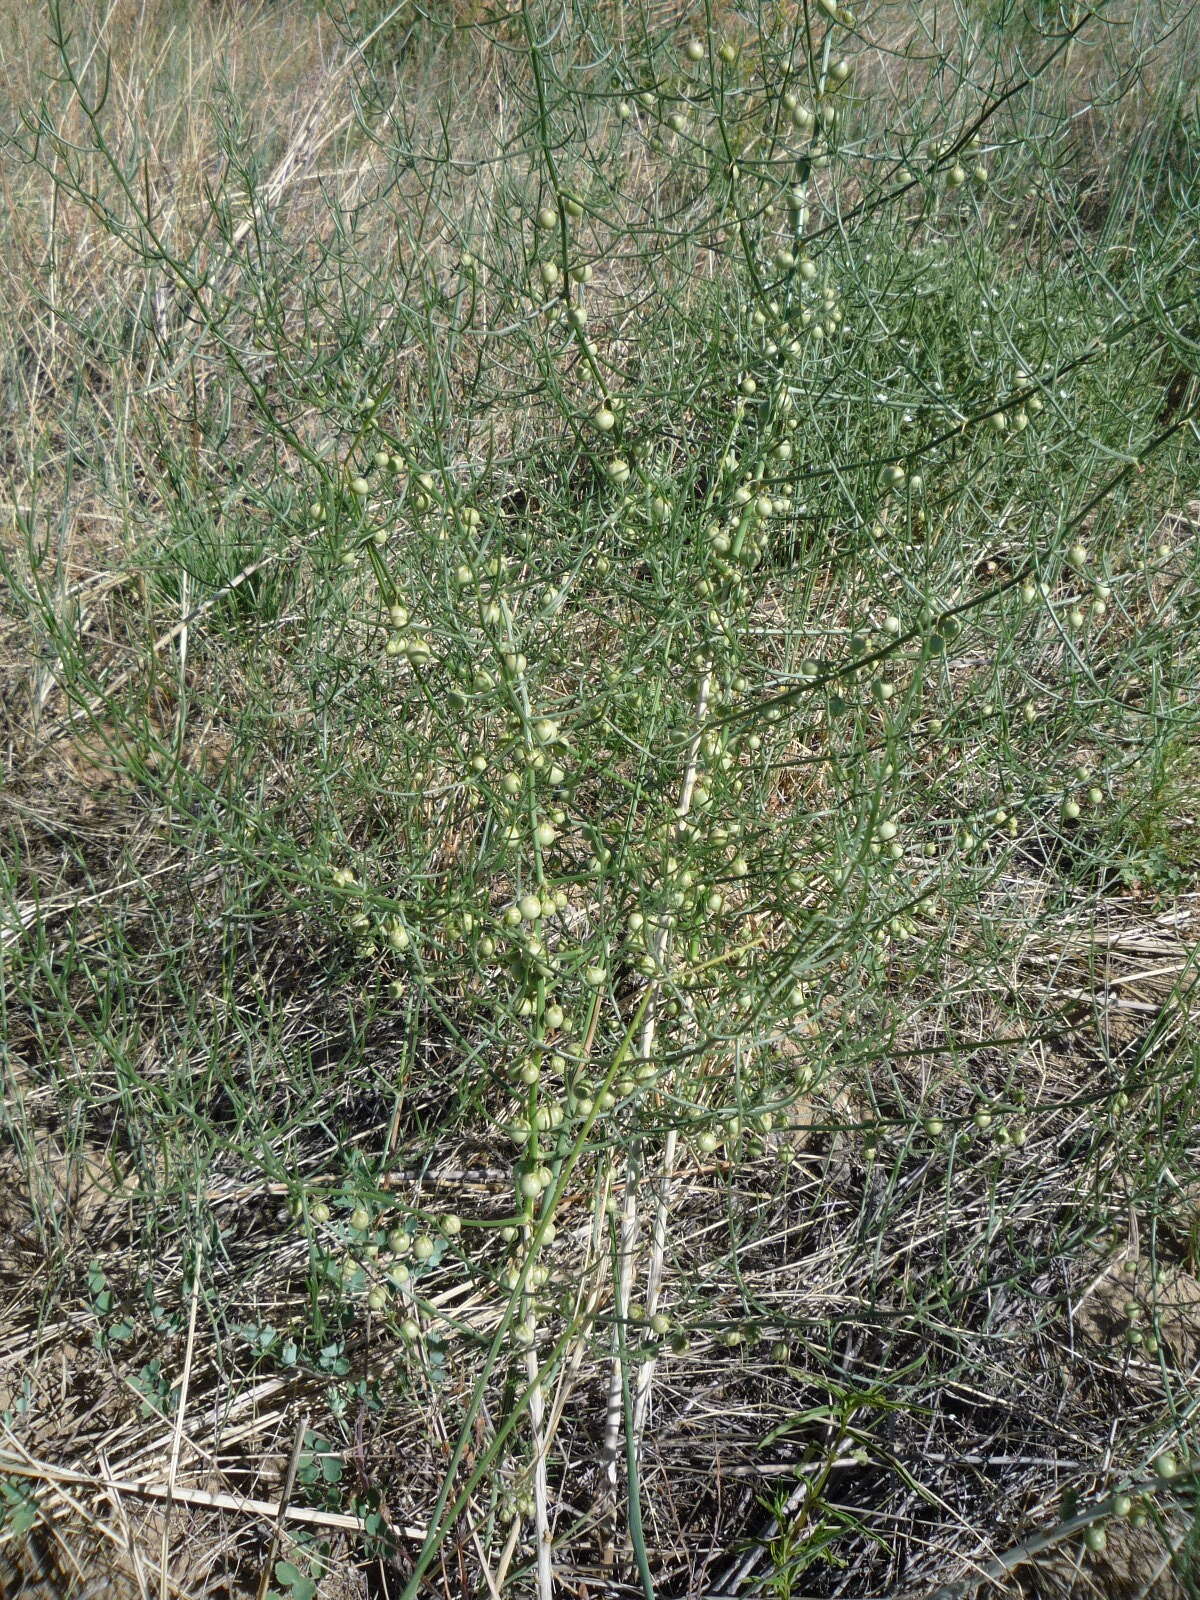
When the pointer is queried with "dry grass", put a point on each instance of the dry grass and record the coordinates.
(928, 1349)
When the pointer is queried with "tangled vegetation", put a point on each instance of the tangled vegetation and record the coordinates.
(599, 817)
